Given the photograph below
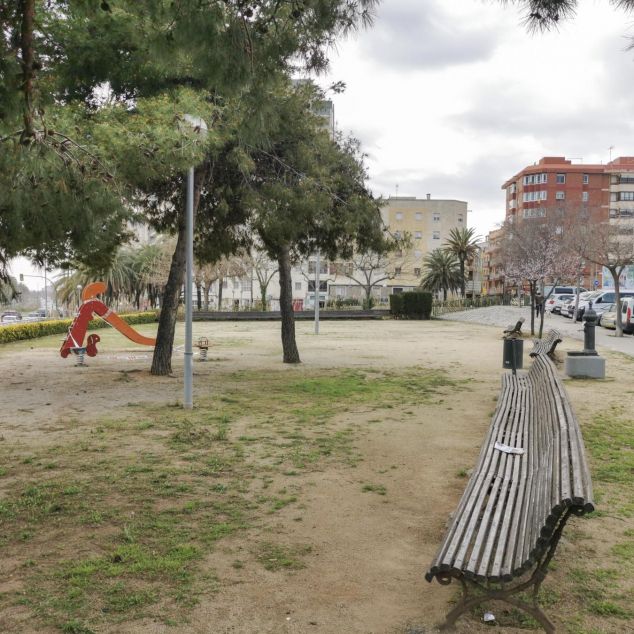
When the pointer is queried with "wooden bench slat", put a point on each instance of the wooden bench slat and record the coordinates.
(453, 540)
(513, 503)
(504, 509)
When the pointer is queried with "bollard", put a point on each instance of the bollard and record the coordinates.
(80, 353)
(590, 323)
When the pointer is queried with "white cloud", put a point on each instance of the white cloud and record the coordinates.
(454, 98)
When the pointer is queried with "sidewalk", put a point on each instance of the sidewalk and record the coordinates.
(502, 316)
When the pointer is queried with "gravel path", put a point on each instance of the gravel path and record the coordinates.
(502, 316)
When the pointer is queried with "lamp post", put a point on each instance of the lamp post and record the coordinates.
(317, 289)
(200, 127)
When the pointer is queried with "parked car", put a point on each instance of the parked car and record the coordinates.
(627, 314)
(565, 304)
(11, 313)
(7, 320)
(554, 302)
(600, 301)
(607, 318)
(584, 298)
(564, 290)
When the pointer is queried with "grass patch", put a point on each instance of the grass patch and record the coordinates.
(374, 488)
(276, 557)
(135, 505)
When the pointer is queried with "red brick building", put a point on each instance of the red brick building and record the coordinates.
(555, 182)
(592, 193)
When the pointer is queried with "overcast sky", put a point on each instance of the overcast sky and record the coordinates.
(452, 97)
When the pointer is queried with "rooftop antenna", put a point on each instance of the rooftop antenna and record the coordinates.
(610, 149)
(396, 190)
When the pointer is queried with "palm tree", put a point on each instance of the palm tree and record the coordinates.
(442, 272)
(462, 244)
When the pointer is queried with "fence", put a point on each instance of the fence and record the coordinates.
(459, 305)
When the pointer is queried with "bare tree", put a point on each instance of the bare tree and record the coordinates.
(609, 244)
(368, 270)
(265, 270)
(534, 251)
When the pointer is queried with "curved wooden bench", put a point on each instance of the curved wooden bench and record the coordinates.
(546, 345)
(514, 331)
(530, 477)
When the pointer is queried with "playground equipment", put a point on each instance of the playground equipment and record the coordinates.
(203, 346)
(74, 341)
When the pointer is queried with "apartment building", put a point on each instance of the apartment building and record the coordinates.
(428, 222)
(588, 193)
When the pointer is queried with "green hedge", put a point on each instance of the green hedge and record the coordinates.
(20, 332)
(396, 305)
(411, 305)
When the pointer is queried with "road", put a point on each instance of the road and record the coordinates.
(502, 316)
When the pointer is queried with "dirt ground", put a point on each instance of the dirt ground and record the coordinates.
(369, 553)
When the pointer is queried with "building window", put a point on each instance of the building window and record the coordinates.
(460, 219)
(543, 194)
(584, 197)
(560, 195)
(418, 234)
(436, 235)
(561, 179)
(416, 272)
(298, 286)
(399, 215)
(225, 284)
(586, 179)
(436, 217)
(418, 215)
(544, 178)
(397, 270)
(626, 196)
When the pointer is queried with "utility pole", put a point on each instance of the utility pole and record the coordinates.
(317, 280)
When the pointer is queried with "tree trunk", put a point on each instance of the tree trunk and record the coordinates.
(532, 287)
(289, 345)
(616, 274)
(444, 294)
(462, 280)
(221, 281)
(199, 298)
(263, 289)
(162, 359)
(207, 291)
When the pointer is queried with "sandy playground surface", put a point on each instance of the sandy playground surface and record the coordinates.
(365, 573)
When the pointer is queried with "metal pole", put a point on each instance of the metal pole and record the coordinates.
(45, 292)
(188, 400)
(317, 279)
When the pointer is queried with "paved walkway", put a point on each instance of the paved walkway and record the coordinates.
(502, 316)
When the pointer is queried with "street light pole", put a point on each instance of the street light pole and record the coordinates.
(317, 289)
(200, 127)
(188, 400)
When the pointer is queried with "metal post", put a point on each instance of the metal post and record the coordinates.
(188, 400)
(45, 292)
(317, 285)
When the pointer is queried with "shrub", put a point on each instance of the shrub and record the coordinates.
(20, 332)
(417, 305)
(396, 305)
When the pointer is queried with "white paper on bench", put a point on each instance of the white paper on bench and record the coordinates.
(506, 449)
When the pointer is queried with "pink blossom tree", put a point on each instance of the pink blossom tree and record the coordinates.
(534, 251)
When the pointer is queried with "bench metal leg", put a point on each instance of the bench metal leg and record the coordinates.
(474, 593)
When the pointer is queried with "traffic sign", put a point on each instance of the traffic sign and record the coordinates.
(596, 283)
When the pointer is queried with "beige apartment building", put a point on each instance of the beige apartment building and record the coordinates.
(428, 222)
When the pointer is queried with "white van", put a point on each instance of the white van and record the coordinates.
(627, 314)
(600, 301)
